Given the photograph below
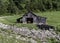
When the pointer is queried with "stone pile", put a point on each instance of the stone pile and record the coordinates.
(40, 34)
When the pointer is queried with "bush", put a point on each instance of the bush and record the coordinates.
(58, 28)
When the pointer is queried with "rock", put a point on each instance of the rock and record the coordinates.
(25, 32)
(34, 34)
(33, 41)
(18, 37)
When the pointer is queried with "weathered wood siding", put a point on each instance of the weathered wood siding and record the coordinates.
(36, 19)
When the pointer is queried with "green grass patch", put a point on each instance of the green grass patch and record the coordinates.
(52, 40)
(53, 18)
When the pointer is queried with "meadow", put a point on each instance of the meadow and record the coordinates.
(53, 18)
(7, 36)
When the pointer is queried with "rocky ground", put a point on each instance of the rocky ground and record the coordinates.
(31, 34)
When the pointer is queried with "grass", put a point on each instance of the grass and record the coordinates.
(53, 18)
(53, 40)
(5, 37)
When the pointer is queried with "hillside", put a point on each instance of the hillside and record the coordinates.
(20, 6)
(53, 18)
(13, 32)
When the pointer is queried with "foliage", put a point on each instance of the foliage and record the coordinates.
(17, 6)
(58, 28)
(52, 40)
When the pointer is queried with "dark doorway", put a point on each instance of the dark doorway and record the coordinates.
(29, 20)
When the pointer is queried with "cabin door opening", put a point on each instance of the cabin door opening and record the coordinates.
(29, 20)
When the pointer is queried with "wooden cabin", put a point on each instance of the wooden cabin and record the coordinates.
(31, 18)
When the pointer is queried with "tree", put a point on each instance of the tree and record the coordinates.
(11, 7)
(2, 7)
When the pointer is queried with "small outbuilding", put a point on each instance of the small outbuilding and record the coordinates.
(31, 18)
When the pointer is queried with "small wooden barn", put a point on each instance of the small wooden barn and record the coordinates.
(31, 18)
